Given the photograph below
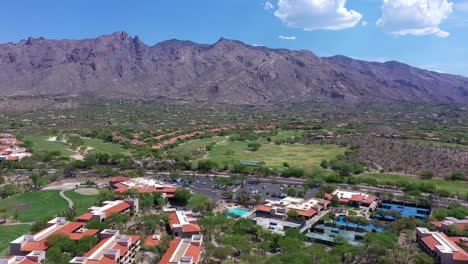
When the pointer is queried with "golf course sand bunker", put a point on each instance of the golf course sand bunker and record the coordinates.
(87, 191)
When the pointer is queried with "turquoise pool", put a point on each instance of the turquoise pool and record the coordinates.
(239, 212)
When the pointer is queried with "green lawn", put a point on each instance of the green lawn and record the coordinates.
(436, 143)
(82, 202)
(451, 186)
(101, 146)
(197, 144)
(41, 143)
(198, 199)
(305, 156)
(32, 206)
(9, 233)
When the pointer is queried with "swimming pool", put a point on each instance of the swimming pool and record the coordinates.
(237, 211)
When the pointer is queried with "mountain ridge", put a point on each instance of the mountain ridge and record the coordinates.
(119, 66)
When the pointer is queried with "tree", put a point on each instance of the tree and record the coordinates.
(427, 174)
(95, 224)
(258, 198)
(335, 201)
(182, 196)
(243, 198)
(105, 195)
(455, 176)
(285, 164)
(324, 164)
(254, 146)
(293, 214)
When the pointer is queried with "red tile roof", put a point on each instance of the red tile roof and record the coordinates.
(430, 242)
(194, 252)
(117, 208)
(118, 179)
(191, 228)
(264, 208)
(85, 217)
(308, 213)
(149, 241)
(173, 245)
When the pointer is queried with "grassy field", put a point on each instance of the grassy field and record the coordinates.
(198, 199)
(41, 143)
(451, 186)
(197, 144)
(101, 146)
(305, 156)
(9, 233)
(435, 143)
(32, 206)
(82, 202)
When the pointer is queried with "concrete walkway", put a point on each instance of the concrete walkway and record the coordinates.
(71, 204)
(314, 219)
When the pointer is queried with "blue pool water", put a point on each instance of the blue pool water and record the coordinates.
(239, 212)
(366, 227)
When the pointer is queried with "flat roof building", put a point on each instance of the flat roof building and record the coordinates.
(114, 248)
(279, 209)
(449, 221)
(35, 257)
(353, 198)
(26, 244)
(441, 247)
(100, 213)
(183, 223)
(184, 251)
(142, 185)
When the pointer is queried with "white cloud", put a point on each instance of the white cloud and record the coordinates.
(317, 14)
(286, 37)
(268, 6)
(364, 23)
(416, 17)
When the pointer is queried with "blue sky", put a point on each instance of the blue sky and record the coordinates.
(431, 34)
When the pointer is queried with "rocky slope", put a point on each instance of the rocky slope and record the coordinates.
(227, 72)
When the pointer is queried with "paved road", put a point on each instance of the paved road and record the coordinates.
(18, 223)
(71, 204)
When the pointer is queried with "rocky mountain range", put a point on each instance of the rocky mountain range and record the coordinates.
(119, 66)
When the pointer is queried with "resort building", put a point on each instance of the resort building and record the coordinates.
(153, 240)
(403, 208)
(353, 198)
(114, 248)
(142, 185)
(273, 215)
(184, 251)
(35, 257)
(129, 206)
(279, 209)
(26, 244)
(183, 223)
(449, 221)
(10, 149)
(442, 248)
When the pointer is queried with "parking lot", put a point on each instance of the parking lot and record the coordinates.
(206, 185)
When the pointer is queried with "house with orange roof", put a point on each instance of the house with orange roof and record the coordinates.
(449, 221)
(10, 149)
(183, 223)
(184, 251)
(279, 209)
(442, 248)
(100, 213)
(142, 185)
(26, 244)
(114, 248)
(35, 257)
(153, 240)
(353, 198)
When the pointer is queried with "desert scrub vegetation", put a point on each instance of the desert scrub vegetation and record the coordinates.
(391, 155)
